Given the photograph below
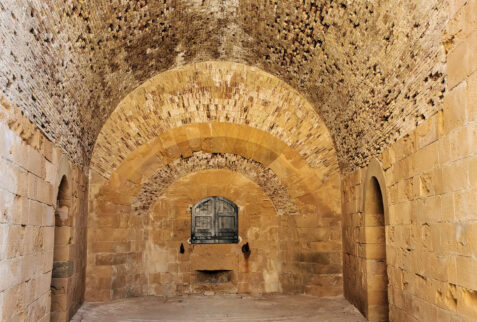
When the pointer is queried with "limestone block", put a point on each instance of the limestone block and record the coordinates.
(466, 303)
(472, 97)
(8, 177)
(372, 235)
(63, 253)
(37, 211)
(45, 193)
(46, 261)
(20, 154)
(58, 302)
(11, 272)
(14, 241)
(110, 259)
(33, 186)
(464, 204)
(387, 159)
(426, 158)
(404, 190)
(375, 251)
(455, 176)
(462, 60)
(13, 303)
(49, 217)
(43, 285)
(118, 282)
(59, 316)
(466, 271)
(8, 139)
(20, 186)
(36, 163)
(427, 132)
(47, 150)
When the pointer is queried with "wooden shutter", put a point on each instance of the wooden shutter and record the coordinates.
(203, 221)
(214, 221)
(226, 220)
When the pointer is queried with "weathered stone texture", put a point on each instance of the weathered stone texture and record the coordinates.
(291, 253)
(265, 178)
(214, 92)
(372, 69)
(31, 168)
(276, 104)
(430, 181)
(308, 218)
(171, 273)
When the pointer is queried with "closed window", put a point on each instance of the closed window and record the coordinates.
(214, 221)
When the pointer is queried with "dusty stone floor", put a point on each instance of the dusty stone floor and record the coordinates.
(221, 308)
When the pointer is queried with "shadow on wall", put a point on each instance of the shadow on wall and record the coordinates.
(63, 265)
(375, 243)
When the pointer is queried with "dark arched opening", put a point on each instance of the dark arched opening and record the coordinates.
(375, 254)
(62, 264)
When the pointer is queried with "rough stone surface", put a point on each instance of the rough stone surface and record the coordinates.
(169, 224)
(30, 172)
(62, 269)
(265, 178)
(222, 308)
(371, 69)
(121, 235)
(214, 92)
(430, 181)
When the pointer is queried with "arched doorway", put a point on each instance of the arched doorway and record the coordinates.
(63, 266)
(375, 254)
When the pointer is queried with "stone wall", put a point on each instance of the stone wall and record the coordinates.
(429, 181)
(31, 171)
(306, 200)
(171, 273)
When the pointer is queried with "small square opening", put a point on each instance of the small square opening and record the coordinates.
(214, 276)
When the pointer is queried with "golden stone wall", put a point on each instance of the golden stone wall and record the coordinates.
(31, 171)
(203, 117)
(118, 225)
(430, 182)
(170, 273)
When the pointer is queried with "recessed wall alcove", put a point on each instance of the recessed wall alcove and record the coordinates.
(141, 216)
(213, 276)
(63, 265)
(373, 238)
(195, 269)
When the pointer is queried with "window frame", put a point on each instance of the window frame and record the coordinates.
(215, 238)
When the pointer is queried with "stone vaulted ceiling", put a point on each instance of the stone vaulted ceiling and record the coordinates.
(371, 69)
(220, 92)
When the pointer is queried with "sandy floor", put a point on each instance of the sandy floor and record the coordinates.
(221, 308)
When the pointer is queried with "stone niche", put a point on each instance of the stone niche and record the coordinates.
(143, 248)
(282, 257)
(220, 280)
(213, 271)
(213, 276)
